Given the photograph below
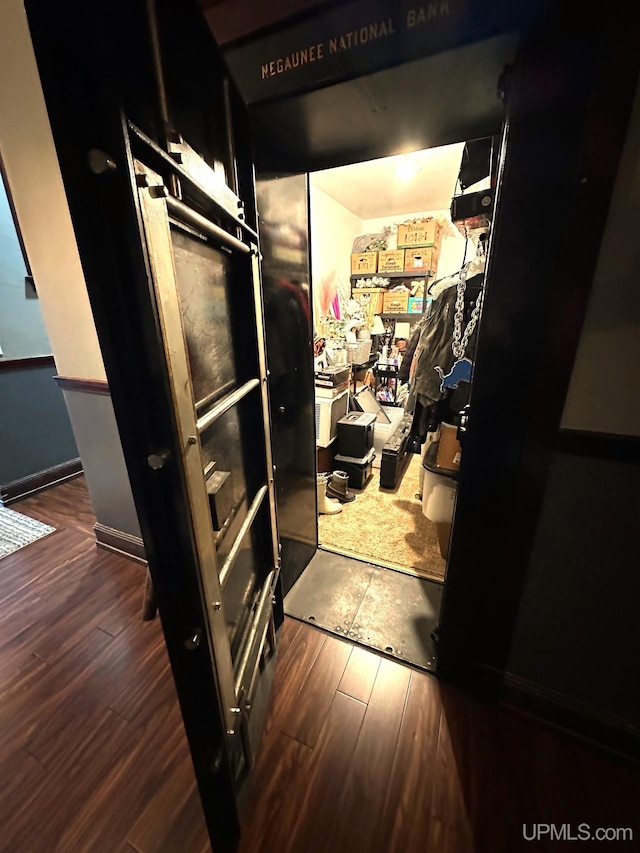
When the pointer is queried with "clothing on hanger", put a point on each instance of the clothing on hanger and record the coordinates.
(407, 356)
(434, 347)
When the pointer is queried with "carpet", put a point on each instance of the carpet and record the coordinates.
(18, 530)
(386, 526)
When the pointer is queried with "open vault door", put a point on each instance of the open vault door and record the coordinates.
(153, 146)
(206, 286)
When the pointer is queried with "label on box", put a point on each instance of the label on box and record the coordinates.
(391, 261)
(396, 303)
(420, 260)
(364, 262)
(419, 232)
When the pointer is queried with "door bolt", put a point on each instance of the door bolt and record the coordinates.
(193, 641)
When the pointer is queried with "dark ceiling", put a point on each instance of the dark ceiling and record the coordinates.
(451, 97)
(423, 87)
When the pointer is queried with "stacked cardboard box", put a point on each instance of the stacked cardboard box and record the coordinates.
(420, 239)
(420, 232)
(391, 261)
(364, 262)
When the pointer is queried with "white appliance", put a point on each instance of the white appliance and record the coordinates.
(328, 413)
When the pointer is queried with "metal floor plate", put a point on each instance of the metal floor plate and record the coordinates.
(388, 611)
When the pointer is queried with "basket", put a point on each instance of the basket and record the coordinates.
(359, 352)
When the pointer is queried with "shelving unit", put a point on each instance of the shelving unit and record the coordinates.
(402, 317)
(412, 275)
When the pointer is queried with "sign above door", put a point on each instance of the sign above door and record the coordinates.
(348, 40)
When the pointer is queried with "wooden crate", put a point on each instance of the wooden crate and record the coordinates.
(421, 232)
(364, 262)
(391, 261)
(369, 297)
(420, 260)
(395, 302)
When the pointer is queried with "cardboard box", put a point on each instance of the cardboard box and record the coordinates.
(364, 262)
(370, 298)
(415, 305)
(395, 302)
(391, 261)
(420, 260)
(449, 450)
(420, 232)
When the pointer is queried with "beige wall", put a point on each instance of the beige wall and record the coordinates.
(32, 171)
(333, 230)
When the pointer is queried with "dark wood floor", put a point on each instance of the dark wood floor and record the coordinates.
(360, 755)
(93, 755)
(364, 755)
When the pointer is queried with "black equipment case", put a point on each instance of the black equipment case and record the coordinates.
(355, 434)
(396, 454)
(359, 471)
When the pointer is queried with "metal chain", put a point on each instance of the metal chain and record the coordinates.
(460, 340)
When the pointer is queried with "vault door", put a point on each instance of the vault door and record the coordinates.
(155, 156)
(207, 289)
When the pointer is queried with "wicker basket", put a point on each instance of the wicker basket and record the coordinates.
(359, 352)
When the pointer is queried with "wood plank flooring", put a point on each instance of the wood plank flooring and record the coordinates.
(93, 754)
(360, 754)
(365, 755)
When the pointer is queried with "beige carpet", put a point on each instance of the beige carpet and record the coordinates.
(387, 527)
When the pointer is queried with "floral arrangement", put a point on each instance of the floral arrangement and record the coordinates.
(332, 328)
(374, 281)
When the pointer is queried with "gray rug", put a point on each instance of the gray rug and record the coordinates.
(18, 530)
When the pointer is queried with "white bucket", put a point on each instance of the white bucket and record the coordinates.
(438, 497)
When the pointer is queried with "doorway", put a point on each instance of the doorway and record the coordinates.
(388, 237)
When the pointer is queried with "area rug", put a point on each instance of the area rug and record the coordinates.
(386, 526)
(18, 530)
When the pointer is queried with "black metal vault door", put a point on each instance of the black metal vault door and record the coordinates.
(207, 290)
(153, 145)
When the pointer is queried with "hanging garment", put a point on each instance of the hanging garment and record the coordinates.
(407, 356)
(434, 348)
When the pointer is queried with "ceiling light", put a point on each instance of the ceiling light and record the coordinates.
(407, 168)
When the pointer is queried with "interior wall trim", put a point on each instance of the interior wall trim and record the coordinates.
(34, 483)
(601, 445)
(605, 731)
(121, 543)
(85, 386)
(31, 361)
